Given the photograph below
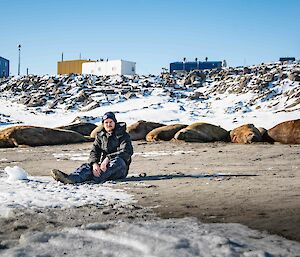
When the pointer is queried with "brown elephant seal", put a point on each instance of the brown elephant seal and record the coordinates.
(140, 129)
(83, 128)
(287, 132)
(96, 131)
(202, 132)
(164, 133)
(37, 136)
(245, 134)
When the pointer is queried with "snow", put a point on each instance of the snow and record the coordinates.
(22, 191)
(15, 173)
(161, 153)
(170, 237)
(75, 156)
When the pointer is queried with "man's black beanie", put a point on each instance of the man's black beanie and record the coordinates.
(109, 115)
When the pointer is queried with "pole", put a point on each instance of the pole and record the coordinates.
(19, 64)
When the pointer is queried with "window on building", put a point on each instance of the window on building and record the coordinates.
(113, 68)
(132, 69)
(99, 69)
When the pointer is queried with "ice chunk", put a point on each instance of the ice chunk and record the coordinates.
(15, 173)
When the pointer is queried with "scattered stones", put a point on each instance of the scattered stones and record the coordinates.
(87, 92)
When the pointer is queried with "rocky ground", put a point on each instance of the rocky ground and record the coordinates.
(257, 185)
(269, 87)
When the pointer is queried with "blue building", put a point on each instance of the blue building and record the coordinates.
(4, 67)
(188, 66)
(287, 59)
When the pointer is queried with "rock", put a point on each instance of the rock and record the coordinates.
(287, 132)
(84, 129)
(37, 136)
(140, 129)
(294, 75)
(202, 132)
(195, 75)
(36, 101)
(164, 133)
(91, 106)
(245, 134)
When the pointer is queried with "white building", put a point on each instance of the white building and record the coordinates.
(105, 68)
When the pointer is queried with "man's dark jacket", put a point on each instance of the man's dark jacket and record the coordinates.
(117, 144)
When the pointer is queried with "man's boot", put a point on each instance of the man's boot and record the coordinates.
(61, 176)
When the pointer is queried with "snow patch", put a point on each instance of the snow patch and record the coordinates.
(161, 153)
(44, 192)
(171, 237)
(15, 173)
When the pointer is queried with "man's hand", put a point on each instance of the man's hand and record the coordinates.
(104, 164)
(96, 169)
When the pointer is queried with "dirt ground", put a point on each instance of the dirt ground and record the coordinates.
(257, 185)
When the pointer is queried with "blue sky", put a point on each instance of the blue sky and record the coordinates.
(151, 33)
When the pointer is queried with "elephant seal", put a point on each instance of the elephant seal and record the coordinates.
(287, 132)
(140, 129)
(37, 136)
(264, 135)
(96, 131)
(164, 133)
(83, 128)
(202, 132)
(245, 134)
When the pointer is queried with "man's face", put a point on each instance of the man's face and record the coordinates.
(109, 125)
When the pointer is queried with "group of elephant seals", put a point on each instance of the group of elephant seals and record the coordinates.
(287, 132)
(37, 136)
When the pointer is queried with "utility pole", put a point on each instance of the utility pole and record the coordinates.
(19, 64)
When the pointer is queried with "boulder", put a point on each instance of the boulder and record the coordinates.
(37, 136)
(140, 129)
(245, 134)
(82, 128)
(164, 133)
(202, 132)
(287, 132)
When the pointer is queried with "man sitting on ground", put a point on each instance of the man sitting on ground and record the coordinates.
(110, 156)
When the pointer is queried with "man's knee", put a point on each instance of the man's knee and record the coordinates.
(117, 162)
